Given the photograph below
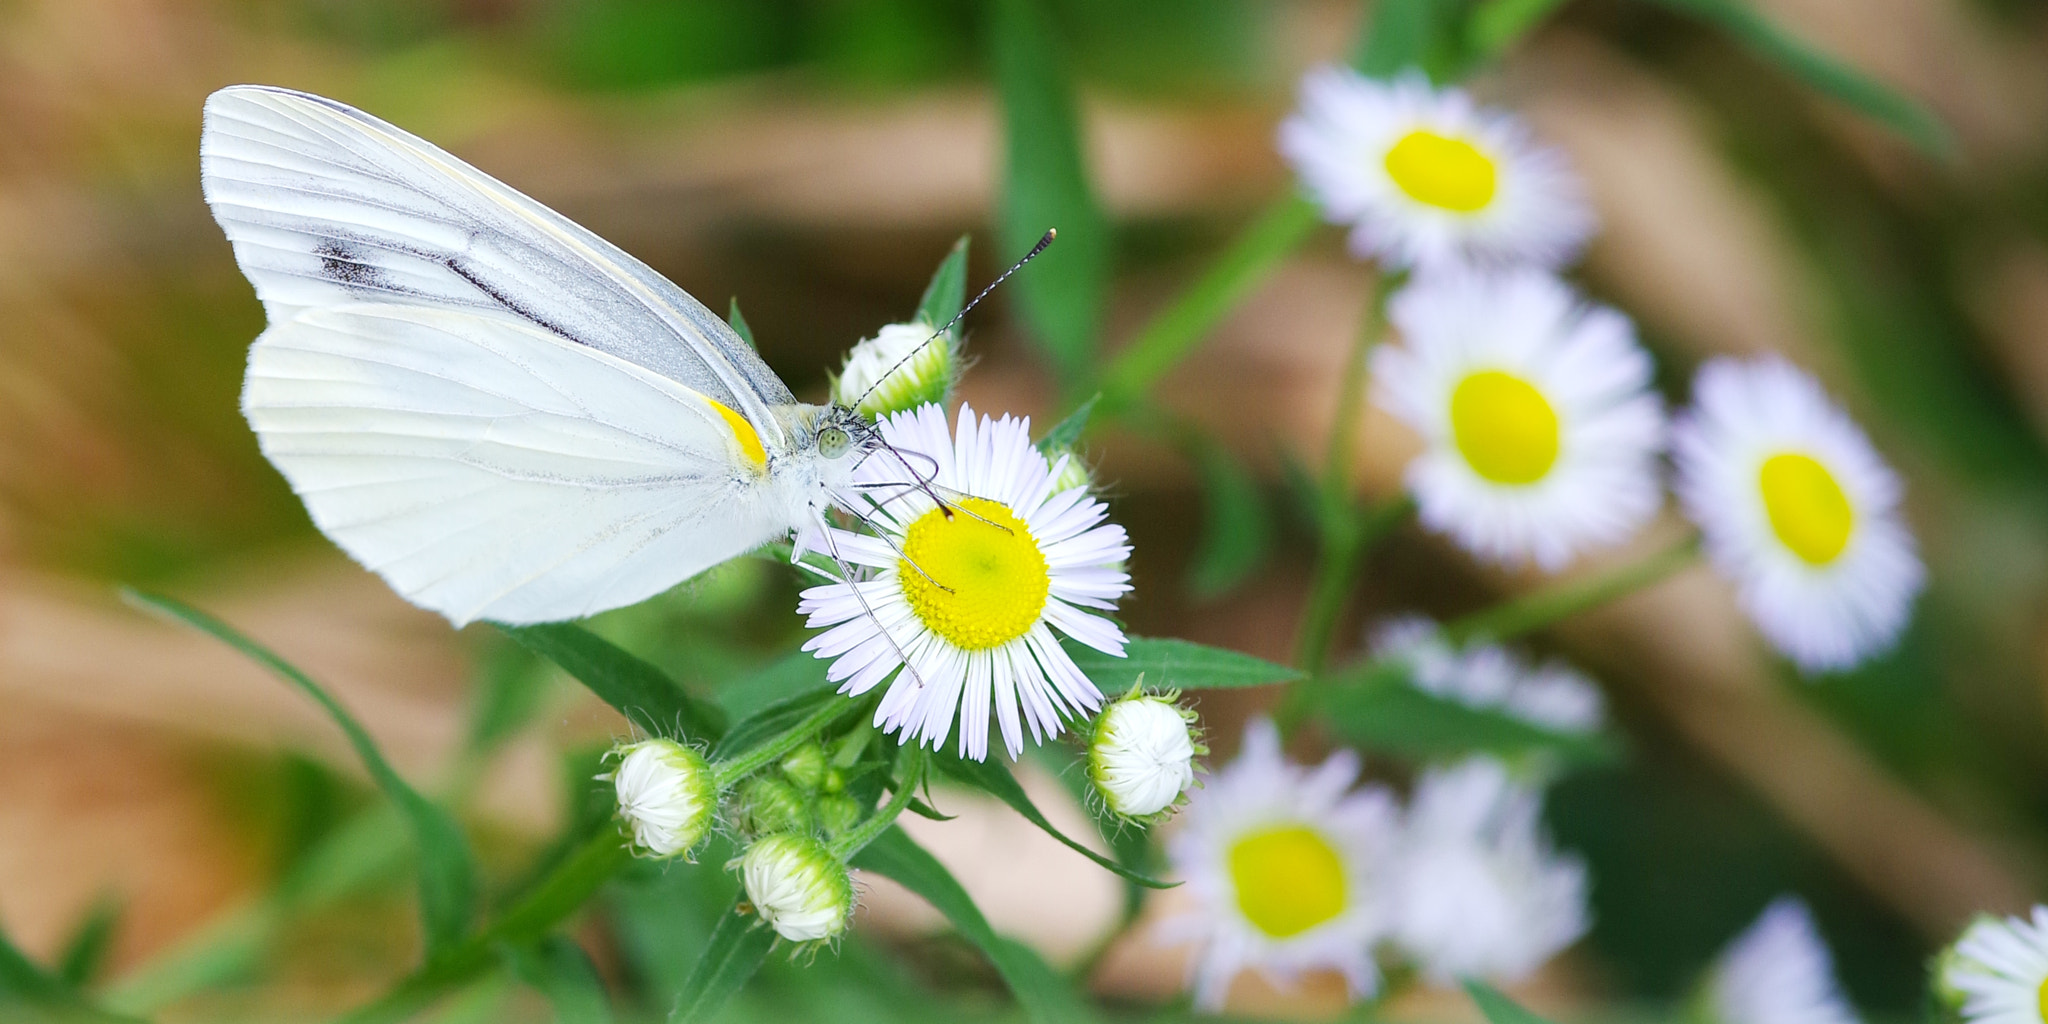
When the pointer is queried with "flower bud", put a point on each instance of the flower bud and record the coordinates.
(805, 767)
(798, 887)
(1141, 754)
(837, 813)
(768, 805)
(665, 795)
(924, 376)
(1072, 473)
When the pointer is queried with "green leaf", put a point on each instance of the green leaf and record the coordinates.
(1046, 187)
(1046, 998)
(1402, 34)
(1177, 664)
(447, 876)
(86, 952)
(947, 291)
(797, 674)
(1067, 432)
(739, 324)
(1377, 708)
(564, 974)
(1823, 73)
(739, 945)
(994, 778)
(644, 694)
(772, 721)
(1497, 24)
(1498, 1008)
(21, 980)
(1236, 529)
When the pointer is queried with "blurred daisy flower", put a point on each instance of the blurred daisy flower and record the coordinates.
(1798, 509)
(969, 595)
(1777, 972)
(1490, 677)
(1289, 869)
(1425, 178)
(1999, 968)
(1481, 893)
(1542, 432)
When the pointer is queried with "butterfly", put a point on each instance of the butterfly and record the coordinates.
(500, 413)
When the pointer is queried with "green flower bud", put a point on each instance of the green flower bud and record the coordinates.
(665, 796)
(1072, 473)
(768, 805)
(798, 887)
(837, 813)
(916, 373)
(805, 766)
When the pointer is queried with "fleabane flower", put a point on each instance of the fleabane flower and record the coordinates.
(1288, 867)
(798, 886)
(1486, 676)
(1426, 179)
(1541, 430)
(666, 796)
(2000, 969)
(1777, 972)
(1798, 510)
(1481, 892)
(902, 367)
(964, 599)
(1141, 756)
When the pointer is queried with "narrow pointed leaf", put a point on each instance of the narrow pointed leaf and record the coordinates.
(1236, 528)
(1176, 664)
(773, 721)
(1067, 432)
(447, 877)
(1377, 709)
(797, 674)
(739, 324)
(86, 952)
(739, 945)
(644, 694)
(1046, 998)
(1499, 1009)
(995, 778)
(947, 291)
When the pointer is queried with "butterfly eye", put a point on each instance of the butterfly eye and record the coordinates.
(833, 442)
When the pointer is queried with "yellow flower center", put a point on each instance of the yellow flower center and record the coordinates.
(983, 581)
(1504, 427)
(1444, 172)
(2041, 999)
(1808, 510)
(1288, 880)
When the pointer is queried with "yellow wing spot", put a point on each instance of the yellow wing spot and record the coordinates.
(743, 432)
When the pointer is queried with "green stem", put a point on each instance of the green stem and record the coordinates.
(1181, 327)
(554, 898)
(725, 773)
(1554, 604)
(868, 831)
(1337, 574)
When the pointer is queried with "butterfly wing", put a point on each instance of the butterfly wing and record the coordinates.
(327, 205)
(488, 469)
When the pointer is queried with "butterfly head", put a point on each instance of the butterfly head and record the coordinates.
(842, 432)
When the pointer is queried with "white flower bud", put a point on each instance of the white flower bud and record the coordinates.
(798, 887)
(924, 376)
(665, 795)
(1070, 474)
(1141, 756)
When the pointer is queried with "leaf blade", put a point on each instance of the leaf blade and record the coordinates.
(1378, 709)
(995, 779)
(644, 694)
(947, 291)
(1498, 1008)
(739, 946)
(1180, 664)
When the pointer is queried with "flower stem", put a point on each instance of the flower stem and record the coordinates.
(725, 773)
(1175, 332)
(1554, 604)
(868, 831)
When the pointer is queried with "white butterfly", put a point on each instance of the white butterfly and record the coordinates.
(500, 413)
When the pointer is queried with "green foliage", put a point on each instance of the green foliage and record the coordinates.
(447, 878)
(1046, 187)
(739, 945)
(1176, 664)
(1495, 25)
(1378, 708)
(1045, 997)
(794, 675)
(993, 777)
(1401, 34)
(947, 291)
(1237, 529)
(1499, 1009)
(564, 974)
(739, 323)
(1822, 72)
(648, 698)
(85, 953)
(1067, 433)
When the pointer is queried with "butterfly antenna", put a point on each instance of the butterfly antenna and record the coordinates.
(1043, 241)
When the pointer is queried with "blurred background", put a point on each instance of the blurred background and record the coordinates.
(816, 159)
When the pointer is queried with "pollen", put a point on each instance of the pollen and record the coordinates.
(1504, 427)
(1451, 174)
(1807, 508)
(1288, 880)
(977, 578)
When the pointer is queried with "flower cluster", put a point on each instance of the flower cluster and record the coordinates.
(1293, 870)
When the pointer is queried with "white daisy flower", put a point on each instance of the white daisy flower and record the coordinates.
(970, 594)
(1550, 695)
(1798, 510)
(1288, 868)
(1542, 432)
(1777, 972)
(1425, 178)
(2000, 969)
(1481, 893)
